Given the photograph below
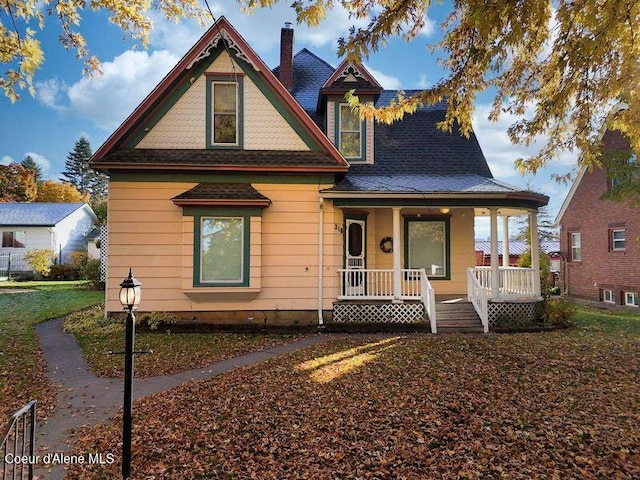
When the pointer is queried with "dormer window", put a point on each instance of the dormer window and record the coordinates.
(349, 132)
(224, 117)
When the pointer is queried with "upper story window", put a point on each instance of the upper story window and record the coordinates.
(576, 246)
(13, 239)
(224, 118)
(618, 240)
(349, 132)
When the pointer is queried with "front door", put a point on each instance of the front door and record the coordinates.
(355, 257)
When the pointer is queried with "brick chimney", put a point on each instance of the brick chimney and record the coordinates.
(286, 56)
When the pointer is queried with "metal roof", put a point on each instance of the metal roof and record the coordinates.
(36, 214)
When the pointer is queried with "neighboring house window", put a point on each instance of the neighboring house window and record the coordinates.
(576, 246)
(607, 296)
(618, 241)
(349, 132)
(13, 239)
(624, 173)
(631, 299)
(222, 257)
(224, 121)
(427, 246)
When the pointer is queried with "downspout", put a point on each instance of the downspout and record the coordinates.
(320, 258)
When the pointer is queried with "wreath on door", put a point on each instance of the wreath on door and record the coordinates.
(386, 244)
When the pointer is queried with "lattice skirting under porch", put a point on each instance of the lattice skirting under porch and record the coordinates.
(514, 315)
(378, 312)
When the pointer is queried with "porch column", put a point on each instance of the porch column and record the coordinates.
(505, 241)
(495, 274)
(535, 251)
(397, 261)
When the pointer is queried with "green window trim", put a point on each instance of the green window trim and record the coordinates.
(446, 244)
(245, 246)
(338, 134)
(222, 80)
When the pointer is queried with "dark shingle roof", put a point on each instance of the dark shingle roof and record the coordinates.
(36, 214)
(416, 146)
(413, 146)
(221, 193)
(220, 158)
(420, 183)
(309, 74)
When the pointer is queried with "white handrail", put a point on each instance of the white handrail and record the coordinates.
(478, 295)
(428, 299)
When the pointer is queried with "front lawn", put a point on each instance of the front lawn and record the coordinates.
(561, 404)
(172, 352)
(22, 369)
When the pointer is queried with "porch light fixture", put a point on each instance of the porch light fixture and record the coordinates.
(130, 295)
(444, 210)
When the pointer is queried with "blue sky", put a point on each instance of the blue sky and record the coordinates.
(69, 105)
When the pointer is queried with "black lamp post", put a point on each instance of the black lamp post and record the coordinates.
(130, 295)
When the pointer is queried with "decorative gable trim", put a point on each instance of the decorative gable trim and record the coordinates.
(348, 72)
(230, 44)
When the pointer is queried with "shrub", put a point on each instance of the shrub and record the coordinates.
(558, 312)
(65, 271)
(91, 271)
(78, 258)
(153, 320)
(40, 261)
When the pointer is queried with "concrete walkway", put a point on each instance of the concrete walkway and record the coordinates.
(84, 399)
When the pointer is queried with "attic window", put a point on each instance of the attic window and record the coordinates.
(349, 133)
(224, 106)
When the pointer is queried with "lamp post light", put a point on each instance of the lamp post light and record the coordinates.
(130, 295)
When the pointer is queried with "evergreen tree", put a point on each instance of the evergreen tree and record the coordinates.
(99, 185)
(30, 164)
(77, 171)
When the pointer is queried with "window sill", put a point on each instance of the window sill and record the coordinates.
(221, 293)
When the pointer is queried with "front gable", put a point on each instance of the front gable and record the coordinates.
(187, 123)
(219, 97)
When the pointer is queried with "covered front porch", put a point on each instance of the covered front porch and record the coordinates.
(432, 257)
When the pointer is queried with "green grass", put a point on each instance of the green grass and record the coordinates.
(172, 352)
(612, 321)
(22, 368)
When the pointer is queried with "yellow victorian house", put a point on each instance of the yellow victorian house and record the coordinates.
(240, 194)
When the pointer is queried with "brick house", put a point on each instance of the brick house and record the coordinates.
(599, 237)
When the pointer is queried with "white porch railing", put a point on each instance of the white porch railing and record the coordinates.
(515, 282)
(377, 284)
(428, 299)
(478, 295)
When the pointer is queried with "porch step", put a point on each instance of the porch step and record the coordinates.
(458, 317)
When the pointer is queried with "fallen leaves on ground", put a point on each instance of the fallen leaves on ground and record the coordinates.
(554, 405)
(171, 352)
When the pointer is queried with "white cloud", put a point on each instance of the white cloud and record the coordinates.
(6, 160)
(423, 81)
(41, 161)
(429, 28)
(388, 82)
(106, 100)
(51, 93)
